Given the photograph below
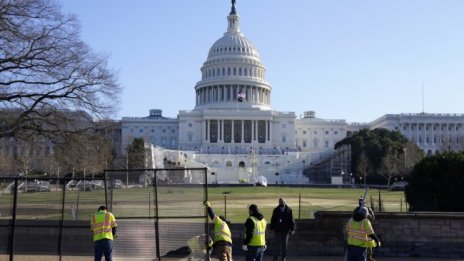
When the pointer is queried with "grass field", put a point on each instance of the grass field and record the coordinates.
(230, 201)
(312, 199)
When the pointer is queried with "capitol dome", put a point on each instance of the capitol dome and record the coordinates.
(233, 43)
(233, 70)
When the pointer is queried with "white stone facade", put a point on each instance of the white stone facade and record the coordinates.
(154, 129)
(432, 132)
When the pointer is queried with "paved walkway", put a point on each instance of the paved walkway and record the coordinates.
(238, 258)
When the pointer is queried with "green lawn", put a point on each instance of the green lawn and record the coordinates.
(312, 199)
(186, 201)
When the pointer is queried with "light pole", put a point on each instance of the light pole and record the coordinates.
(127, 167)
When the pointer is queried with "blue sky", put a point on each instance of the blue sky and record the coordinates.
(344, 59)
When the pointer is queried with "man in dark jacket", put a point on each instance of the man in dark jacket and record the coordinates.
(283, 225)
(255, 235)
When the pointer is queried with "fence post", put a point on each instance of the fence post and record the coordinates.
(299, 206)
(380, 202)
(225, 206)
(149, 204)
(106, 191)
(13, 218)
(401, 204)
(372, 202)
(60, 240)
(205, 188)
(158, 255)
(77, 204)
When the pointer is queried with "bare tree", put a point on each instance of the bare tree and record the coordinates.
(363, 167)
(390, 166)
(45, 68)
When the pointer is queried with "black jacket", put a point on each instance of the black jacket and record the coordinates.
(282, 221)
(250, 227)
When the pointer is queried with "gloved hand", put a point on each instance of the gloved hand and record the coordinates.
(265, 247)
(379, 244)
(244, 248)
(207, 204)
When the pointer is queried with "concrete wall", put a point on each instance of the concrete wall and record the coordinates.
(403, 234)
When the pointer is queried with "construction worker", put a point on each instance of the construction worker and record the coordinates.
(371, 217)
(283, 225)
(222, 236)
(103, 225)
(360, 236)
(255, 235)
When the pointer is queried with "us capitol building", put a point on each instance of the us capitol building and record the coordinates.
(235, 133)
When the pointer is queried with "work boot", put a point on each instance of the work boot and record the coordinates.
(370, 257)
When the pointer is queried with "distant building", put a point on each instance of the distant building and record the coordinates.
(315, 134)
(155, 129)
(432, 132)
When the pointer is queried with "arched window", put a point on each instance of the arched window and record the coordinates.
(241, 165)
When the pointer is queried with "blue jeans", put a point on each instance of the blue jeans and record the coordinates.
(103, 246)
(255, 253)
(356, 253)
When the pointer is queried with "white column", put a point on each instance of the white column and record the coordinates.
(206, 130)
(270, 130)
(447, 135)
(266, 135)
(217, 132)
(253, 131)
(243, 129)
(222, 131)
(410, 131)
(232, 140)
(433, 135)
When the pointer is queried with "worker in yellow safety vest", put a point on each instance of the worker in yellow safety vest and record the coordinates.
(103, 225)
(255, 235)
(360, 236)
(222, 236)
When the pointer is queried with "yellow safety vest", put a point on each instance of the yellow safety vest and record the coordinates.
(101, 224)
(358, 233)
(221, 231)
(259, 233)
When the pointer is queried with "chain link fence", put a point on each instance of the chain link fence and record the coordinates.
(160, 213)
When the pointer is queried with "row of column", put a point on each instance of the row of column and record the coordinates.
(217, 132)
(233, 71)
(229, 93)
(424, 135)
